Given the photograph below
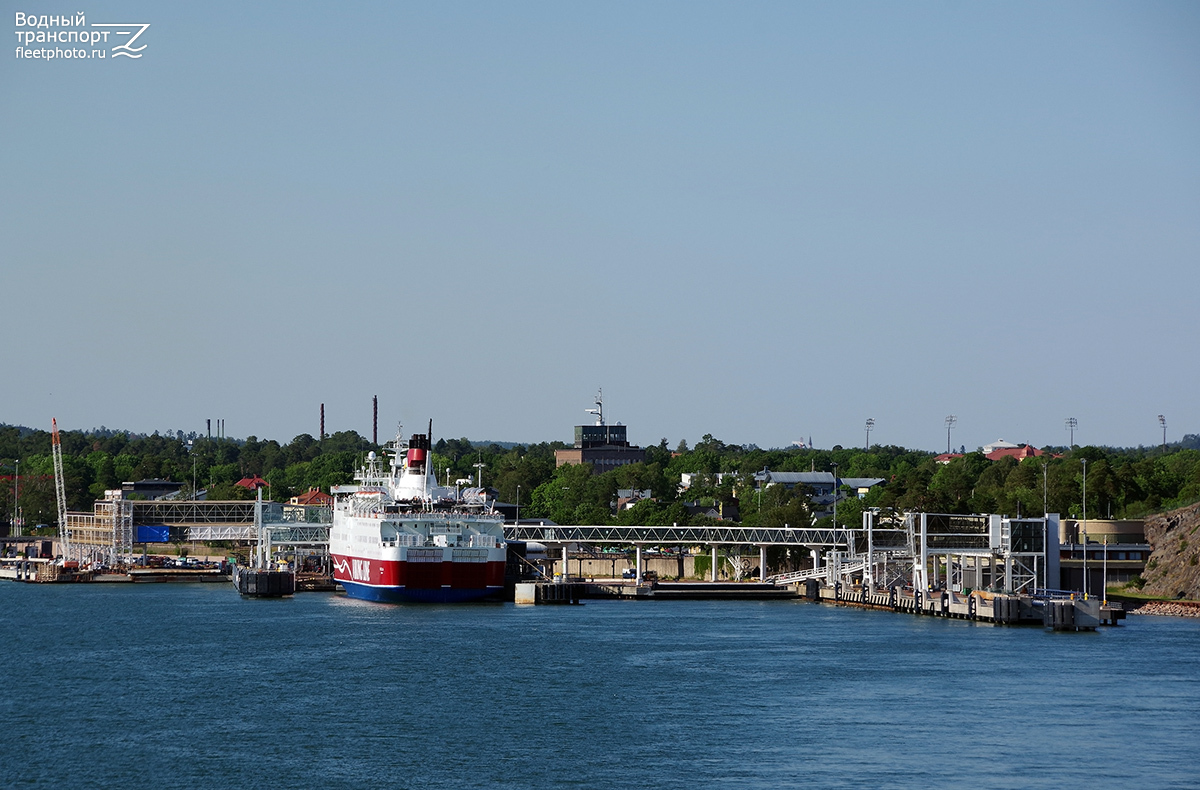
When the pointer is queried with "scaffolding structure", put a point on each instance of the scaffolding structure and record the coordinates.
(103, 537)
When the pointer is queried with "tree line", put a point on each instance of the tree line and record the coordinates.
(1121, 482)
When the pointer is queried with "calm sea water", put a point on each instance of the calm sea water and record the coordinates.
(191, 686)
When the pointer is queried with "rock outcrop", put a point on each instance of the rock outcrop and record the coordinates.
(1167, 608)
(1173, 570)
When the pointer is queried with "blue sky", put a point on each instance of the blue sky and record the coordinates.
(763, 221)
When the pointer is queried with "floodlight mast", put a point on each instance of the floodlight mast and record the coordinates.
(870, 425)
(950, 423)
(1163, 422)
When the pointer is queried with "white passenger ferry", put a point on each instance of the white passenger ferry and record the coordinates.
(399, 536)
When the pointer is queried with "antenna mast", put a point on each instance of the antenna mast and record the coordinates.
(599, 410)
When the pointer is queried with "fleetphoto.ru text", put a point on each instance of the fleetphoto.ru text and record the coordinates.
(50, 32)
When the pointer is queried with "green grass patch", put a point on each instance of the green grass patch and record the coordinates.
(1130, 595)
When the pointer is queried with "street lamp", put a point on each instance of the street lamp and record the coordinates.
(950, 421)
(1083, 537)
(870, 425)
(835, 495)
(1104, 575)
(1045, 489)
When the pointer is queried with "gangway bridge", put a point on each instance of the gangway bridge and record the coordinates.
(268, 525)
(690, 536)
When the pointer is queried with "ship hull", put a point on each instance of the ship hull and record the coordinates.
(367, 592)
(422, 582)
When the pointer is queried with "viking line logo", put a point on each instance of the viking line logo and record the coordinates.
(358, 570)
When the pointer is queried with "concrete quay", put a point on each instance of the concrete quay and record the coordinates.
(1059, 614)
(574, 591)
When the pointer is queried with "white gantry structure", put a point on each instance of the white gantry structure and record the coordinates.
(956, 552)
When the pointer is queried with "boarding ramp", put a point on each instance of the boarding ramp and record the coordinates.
(832, 571)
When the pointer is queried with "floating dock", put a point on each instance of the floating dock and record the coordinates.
(549, 592)
(257, 583)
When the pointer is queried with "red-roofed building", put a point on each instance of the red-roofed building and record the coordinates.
(946, 458)
(252, 483)
(1019, 453)
(313, 496)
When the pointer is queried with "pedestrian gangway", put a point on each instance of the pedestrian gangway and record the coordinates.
(829, 572)
(730, 534)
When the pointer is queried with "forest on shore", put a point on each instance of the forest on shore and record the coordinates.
(1121, 482)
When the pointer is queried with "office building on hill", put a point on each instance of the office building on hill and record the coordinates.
(603, 446)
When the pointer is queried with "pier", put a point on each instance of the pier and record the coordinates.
(990, 568)
(1059, 613)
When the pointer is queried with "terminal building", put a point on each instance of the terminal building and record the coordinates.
(603, 446)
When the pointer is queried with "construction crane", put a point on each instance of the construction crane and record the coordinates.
(60, 488)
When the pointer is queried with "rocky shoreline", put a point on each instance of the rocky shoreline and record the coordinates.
(1167, 608)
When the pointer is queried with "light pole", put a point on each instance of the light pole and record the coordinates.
(1072, 424)
(517, 520)
(18, 529)
(1163, 422)
(870, 425)
(1104, 593)
(1083, 534)
(1045, 490)
(950, 422)
(835, 495)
